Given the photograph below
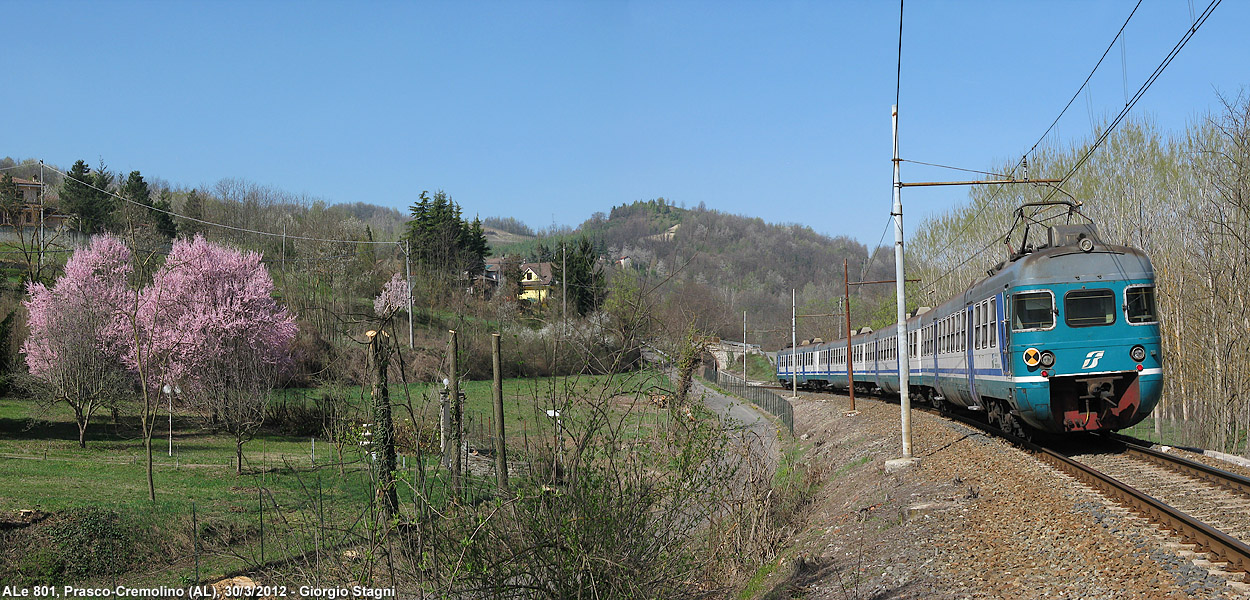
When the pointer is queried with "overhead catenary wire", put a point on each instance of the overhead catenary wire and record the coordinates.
(941, 166)
(872, 255)
(1023, 158)
(1141, 91)
(1189, 33)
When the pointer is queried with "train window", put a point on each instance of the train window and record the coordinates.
(1033, 310)
(965, 335)
(993, 322)
(980, 326)
(1139, 304)
(1089, 308)
(985, 324)
(946, 336)
(978, 313)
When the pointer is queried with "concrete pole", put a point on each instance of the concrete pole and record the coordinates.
(744, 349)
(794, 344)
(501, 448)
(850, 356)
(899, 283)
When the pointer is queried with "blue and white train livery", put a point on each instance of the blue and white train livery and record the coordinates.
(1061, 338)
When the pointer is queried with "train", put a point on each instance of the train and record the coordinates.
(1062, 337)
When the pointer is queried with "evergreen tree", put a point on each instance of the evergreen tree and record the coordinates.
(10, 199)
(84, 195)
(193, 208)
(161, 218)
(442, 240)
(136, 189)
(584, 279)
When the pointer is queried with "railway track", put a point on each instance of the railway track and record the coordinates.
(1204, 506)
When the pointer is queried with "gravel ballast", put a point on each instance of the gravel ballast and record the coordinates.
(975, 518)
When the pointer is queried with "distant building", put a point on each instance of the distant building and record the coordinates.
(536, 278)
(28, 215)
(536, 281)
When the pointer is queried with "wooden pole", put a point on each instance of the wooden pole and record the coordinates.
(453, 393)
(501, 448)
(383, 426)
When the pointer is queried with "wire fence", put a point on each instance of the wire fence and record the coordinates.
(774, 404)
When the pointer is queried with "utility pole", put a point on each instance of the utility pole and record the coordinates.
(408, 278)
(794, 344)
(41, 230)
(850, 356)
(903, 366)
(564, 285)
(744, 349)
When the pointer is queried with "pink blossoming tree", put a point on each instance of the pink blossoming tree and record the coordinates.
(77, 344)
(217, 333)
(207, 323)
(394, 298)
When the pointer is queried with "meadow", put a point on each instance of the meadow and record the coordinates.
(295, 494)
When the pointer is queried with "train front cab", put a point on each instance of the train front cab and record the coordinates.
(1085, 356)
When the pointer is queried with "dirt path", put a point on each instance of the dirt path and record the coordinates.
(744, 420)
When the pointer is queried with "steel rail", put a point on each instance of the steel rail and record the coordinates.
(1227, 479)
(1222, 547)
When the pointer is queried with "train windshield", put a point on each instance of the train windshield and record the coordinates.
(1033, 310)
(1139, 304)
(1089, 308)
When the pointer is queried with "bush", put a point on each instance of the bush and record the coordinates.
(88, 542)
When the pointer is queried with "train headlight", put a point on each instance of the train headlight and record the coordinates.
(1048, 359)
(1086, 244)
(1138, 353)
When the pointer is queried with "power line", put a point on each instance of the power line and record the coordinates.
(1189, 33)
(1167, 60)
(979, 172)
(898, 75)
(994, 194)
(872, 256)
(1087, 78)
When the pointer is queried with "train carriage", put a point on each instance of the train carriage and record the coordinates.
(1061, 338)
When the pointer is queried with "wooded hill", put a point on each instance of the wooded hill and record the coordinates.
(716, 265)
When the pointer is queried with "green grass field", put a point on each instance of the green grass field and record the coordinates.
(42, 468)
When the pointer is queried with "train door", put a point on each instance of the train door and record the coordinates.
(1001, 318)
(969, 341)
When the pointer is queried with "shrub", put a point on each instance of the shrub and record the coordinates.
(88, 542)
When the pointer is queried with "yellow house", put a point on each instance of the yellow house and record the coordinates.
(536, 281)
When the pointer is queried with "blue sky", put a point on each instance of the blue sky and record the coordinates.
(551, 111)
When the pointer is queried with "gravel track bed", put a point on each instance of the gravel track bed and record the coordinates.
(1206, 501)
(976, 518)
(1209, 461)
